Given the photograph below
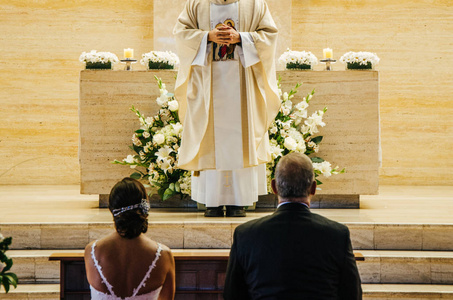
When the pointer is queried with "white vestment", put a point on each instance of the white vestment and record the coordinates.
(230, 183)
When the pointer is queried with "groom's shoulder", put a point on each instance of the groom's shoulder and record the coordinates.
(253, 224)
(329, 224)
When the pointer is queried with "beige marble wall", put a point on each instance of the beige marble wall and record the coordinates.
(414, 40)
(39, 71)
(40, 43)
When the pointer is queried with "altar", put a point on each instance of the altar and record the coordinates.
(351, 135)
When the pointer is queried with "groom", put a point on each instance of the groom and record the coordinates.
(293, 253)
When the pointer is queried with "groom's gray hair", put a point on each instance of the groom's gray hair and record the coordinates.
(294, 175)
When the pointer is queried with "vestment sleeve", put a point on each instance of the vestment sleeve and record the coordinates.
(202, 55)
(350, 284)
(188, 39)
(235, 285)
(265, 34)
(247, 51)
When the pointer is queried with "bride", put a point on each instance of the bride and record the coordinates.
(126, 264)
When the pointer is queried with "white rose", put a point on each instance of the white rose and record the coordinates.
(290, 143)
(146, 134)
(177, 128)
(301, 147)
(273, 130)
(162, 100)
(159, 138)
(173, 105)
(296, 135)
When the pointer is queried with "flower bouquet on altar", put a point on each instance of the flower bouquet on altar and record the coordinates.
(294, 131)
(298, 60)
(359, 60)
(157, 141)
(156, 145)
(98, 60)
(159, 60)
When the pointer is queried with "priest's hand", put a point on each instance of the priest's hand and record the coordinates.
(224, 35)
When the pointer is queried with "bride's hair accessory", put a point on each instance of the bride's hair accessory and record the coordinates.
(143, 205)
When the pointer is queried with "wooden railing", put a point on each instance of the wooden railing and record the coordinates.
(198, 272)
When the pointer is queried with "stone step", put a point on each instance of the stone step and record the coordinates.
(416, 267)
(370, 292)
(217, 234)
(33, 291)
(406, 291)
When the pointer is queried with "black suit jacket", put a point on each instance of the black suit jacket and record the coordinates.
(292, 254)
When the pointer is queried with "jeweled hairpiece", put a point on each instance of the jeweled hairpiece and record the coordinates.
(143, 205)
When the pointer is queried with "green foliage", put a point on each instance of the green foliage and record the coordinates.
(317, 140)
(317, 159)
(99, 66)
(298, 66)
(359, 66)
(136, 175)
(7, 279)
(159, 65)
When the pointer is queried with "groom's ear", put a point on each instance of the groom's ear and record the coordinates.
(313, 188)
(274, 186)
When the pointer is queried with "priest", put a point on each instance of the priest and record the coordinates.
(227, 91)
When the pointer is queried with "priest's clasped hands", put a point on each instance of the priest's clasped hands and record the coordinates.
(224, 35)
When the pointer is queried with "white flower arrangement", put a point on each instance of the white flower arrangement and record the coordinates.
(294, 131)
(156, 145)
(298, 59)
(98, 60)
(160, 60)
(359, 60)
(157, 142)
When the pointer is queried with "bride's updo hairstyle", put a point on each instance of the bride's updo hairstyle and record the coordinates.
(129, 206)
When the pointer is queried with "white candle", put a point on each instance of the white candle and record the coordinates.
(328, 53)
(128, 53)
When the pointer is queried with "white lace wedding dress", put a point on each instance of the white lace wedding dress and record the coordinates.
(97, 295)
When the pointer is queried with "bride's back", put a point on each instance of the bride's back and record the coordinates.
(126, 262)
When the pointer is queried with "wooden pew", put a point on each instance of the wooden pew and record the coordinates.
(199, 273)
